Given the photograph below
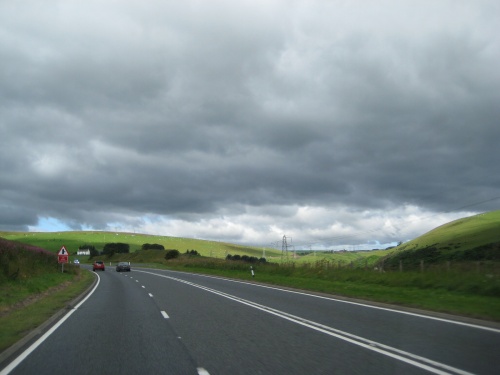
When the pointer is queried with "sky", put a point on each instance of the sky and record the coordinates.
(338, 124)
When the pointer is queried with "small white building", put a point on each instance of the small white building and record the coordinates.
(83, 252)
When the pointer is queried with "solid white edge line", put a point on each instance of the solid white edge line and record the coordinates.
(11, 366)
(165, 315)
(353, 339)
(400, 355)
(358, 340)
(471, 325)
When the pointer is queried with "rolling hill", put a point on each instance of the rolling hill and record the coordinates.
(474, 238)
(465, 233)
(53, 241)
(470, 238)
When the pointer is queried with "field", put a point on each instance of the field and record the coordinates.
(53, 241)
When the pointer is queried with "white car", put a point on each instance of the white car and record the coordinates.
(76, 261)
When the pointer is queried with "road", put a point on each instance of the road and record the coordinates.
(165, 322)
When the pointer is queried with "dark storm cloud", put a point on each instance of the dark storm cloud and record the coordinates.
(218, 117)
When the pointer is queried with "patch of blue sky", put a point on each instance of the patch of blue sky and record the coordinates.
(49, 224)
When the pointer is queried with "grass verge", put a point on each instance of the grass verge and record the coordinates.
(439, 300)
(32, 309)
(471, 295)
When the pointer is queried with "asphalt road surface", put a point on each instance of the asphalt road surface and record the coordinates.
(164, 322)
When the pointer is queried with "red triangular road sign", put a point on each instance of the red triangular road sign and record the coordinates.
(63, 251)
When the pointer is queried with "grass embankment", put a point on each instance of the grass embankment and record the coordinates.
(33, 288)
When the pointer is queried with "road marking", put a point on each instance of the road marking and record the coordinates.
(202, 371)
(471, 325)
(150, 295)
(409, 358)
(136, 281)
(38, 342)
(165, 315)
(143, 287)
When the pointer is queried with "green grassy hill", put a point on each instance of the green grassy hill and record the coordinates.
(343, 258)
(474, 238)
(467, 239)
(53, 241)
(462, 234)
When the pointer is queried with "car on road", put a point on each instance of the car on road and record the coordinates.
(76, 261)
(98, 265)
(123, 266)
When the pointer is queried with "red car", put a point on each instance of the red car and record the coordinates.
(98, 265)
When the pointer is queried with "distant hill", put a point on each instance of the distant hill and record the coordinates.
(471, 238)
(72, 240)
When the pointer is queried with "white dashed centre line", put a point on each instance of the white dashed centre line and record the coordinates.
(150, 295)
(395, 353)
(165, 315)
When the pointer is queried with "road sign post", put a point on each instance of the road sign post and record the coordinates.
(62, 257)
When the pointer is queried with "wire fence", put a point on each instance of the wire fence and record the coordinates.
(491, 267)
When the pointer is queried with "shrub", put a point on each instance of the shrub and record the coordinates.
(172, 254)
(245, 258)
(192, 253)
(112, 248)
(21, 262)
(152, 246)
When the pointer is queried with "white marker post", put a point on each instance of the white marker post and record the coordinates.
(251, 270)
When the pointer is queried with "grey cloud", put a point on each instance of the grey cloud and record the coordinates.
(188, 111)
